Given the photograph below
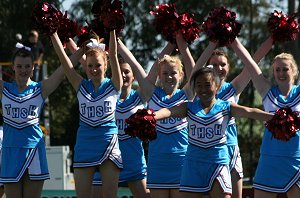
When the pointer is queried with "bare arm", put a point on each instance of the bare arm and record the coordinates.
(72, 46)
(263, 49)
(113, 59)
(187, 57)
(176, 111)
(146, 89)
(206, 54)
(50, 84)
(260, 82)
(242, 80)
(247, 112)
(73, 77)
(153, 73)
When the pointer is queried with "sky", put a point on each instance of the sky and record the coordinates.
(67, 4)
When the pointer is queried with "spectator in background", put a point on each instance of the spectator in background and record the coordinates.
(37, 49)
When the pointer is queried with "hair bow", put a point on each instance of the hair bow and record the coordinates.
(20, 46)
(94, 44)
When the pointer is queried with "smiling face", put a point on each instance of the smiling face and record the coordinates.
(170, 77)
(95, 66)
(23, 68)
(283, 72)
(205, 87)
(127, 75)
(170, 73)
(221, 65)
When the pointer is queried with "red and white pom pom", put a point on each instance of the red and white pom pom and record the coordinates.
(48, 20)
(283, 28)
(46, 17)
(110, 13)
(67, 29)
(221, 26)
(142, 124)
(83, 35)
(166, 21)
(284, 124)
(189, 28)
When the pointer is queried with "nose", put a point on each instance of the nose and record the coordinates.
(123, 74)
(219, 68)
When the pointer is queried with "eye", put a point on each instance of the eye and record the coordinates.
(286, 69)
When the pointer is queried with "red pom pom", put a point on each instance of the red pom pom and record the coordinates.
(110, 13)
(221, 26)
(83, 35)
(166, 21)
(46, 17)
(282, 27)
(189, 27)
(284, 124)
(142, 124)
(99, 28)
(67, 29)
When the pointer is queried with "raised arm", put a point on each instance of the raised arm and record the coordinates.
(114, 63)
(73, 77)
(260, 82)
(51, 83)
(186, 55)
(146, 89)
(200, 63)
(242, 80)
(262, 51)
(72, 46)
(206, 54)
(153, 73)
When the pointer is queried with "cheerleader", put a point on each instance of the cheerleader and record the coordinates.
(278, 169)
(206, 165)
(97, 143)
(24, 165)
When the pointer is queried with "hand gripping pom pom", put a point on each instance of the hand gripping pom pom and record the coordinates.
(111, 14)
(49, 20)
(221, 26)
(189, 27)
(283, 28)
(284, 124)
(142, 124)
(67, 29)
(46, 17)
(166, 21)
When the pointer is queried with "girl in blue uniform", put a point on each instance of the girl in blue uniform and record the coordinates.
(24, 164)
(134, 171)
(278, 168)
(206, 165)
(166, 153)
(230, 91)
(97, 142)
